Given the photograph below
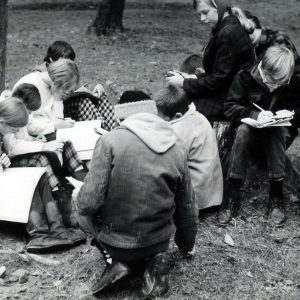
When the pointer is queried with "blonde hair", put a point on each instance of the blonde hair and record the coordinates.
(278, 64)
(246, 23)
(64, 74)
(13, 112)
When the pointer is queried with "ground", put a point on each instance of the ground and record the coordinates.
(264, 262)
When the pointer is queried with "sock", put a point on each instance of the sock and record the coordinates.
(276, 188)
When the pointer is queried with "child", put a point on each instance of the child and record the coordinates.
(83, 104)
(198, 140)
(139, 186)
(54, 85)
(59, 157)
(228, 50)
(45, 231)
(262, 86)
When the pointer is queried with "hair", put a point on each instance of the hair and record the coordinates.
(13, 112)
(278, 63)
(30, 96)
(246, 22)
(64, 74)
(171, 100)
(211, 3)
(191, 63)
(59, 49)
(133, 96)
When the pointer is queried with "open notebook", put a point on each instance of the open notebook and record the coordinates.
(84, 136)
(17, 186)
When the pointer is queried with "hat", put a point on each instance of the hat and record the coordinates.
(122, 111)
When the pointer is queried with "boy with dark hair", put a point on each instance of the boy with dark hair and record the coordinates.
(198, 140)
(139, 187)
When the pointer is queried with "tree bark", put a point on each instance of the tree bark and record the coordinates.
(109, 17)
(3, 42)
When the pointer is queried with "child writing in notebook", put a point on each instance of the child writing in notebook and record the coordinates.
(45, 230)
(262, 86)
(58, 156)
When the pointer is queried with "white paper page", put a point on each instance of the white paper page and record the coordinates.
(82, 135)
(17, 186)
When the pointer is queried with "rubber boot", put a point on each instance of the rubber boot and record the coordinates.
(39, 239)
(57, 228)
(63, 196)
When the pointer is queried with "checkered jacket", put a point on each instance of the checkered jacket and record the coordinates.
(228, 50)
(91, 108)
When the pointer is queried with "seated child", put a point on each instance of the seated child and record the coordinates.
(198, 140)
(45, 230)
(84, 104)
(261, 86)
(58, 156)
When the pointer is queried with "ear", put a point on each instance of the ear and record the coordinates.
(177, 115)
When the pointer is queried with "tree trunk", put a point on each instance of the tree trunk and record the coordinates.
(109, 17)
(3, 42)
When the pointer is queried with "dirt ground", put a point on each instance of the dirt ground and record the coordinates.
(264, 262)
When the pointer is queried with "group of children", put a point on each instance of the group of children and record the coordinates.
(150, 176)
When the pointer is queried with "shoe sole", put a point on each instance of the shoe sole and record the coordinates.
(115, 279)
(49, 249)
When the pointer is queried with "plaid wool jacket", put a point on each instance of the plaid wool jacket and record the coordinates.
(228, 50)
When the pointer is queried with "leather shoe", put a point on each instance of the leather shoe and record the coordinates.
(111, 274)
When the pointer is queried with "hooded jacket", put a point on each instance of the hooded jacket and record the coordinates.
(139, 186)
(228, 50)
(197, 136)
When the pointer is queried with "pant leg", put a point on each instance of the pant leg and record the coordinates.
(71, 160)
(240, 153)
(275, 141)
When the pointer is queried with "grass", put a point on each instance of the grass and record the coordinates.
(264, 261)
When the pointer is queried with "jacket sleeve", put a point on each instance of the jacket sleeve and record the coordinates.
(92, 193)
(224, 64)
(40, 124)
(237, 105)
(14, 145)
(186, 214)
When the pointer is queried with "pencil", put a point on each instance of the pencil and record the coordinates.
(257, 106)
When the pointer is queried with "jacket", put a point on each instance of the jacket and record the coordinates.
(139, 186)
(197, 136)
(228, 50)
(43, 119)
(248, 88)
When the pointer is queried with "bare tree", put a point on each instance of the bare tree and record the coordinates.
(109, 17)
(3, 41)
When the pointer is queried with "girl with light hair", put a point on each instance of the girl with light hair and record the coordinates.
(228, 50)
(54, 85)
(45, 231)
(260, 87)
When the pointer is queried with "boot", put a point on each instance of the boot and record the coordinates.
(111, 274)
(156, 281)
(57, 227)
(63, 196)
(39, 238)
(276, 211)
(229, 209)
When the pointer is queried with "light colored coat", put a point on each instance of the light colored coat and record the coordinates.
(43, 119)
(199, 141)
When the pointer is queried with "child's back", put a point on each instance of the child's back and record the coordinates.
(198, 138)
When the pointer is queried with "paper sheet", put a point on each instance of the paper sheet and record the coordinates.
(17, 186)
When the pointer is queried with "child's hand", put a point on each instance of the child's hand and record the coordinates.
(98, 90)
(4, 161)
(41, 138)
(64, 123)
(53, 146)
(175, 79)
(265, 116)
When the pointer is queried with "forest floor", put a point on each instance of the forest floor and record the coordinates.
(264, 262)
